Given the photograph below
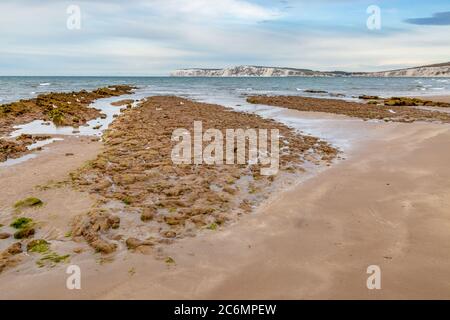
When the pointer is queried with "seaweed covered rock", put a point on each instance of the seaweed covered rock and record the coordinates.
(8, 258)
(11, 149)
(63, 109)
(24, 233)
(24, 226)
(407, 101)
(395, 109)
(38, 246)
(135, 170)
(148, 214)
(134, 243)
(15, 248)
(368, 97)
(92, 226)
(14, 148)
(21, 222)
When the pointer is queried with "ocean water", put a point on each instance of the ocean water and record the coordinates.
(229, 92)
(211, 89)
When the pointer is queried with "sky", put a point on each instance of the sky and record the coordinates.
(155, 37)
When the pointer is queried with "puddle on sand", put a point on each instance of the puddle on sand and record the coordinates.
(42, 143)
(48, 128)
(40, 127)
(34, 146)
(340, 131)
(11, 162)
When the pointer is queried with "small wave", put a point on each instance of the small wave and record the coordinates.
(437, 88)
(44, 84)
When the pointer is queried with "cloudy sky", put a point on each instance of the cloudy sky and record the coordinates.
(153, 37)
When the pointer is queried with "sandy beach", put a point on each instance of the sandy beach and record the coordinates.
(386, 204)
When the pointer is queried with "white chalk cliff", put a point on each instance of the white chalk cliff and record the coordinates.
(436, 70)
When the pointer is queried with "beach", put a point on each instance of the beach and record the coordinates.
(383, 200)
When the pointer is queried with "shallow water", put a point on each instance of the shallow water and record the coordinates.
(11, 162)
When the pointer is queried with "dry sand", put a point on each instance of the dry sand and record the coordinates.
(387, 205)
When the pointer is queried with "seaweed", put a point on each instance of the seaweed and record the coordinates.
(213, 226)
(21, 223)
(28, 202)
(38, 246)
(52, 259)
(170, 260)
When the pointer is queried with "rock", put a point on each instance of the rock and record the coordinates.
(133, 243)
(229, 190)
(28, 202)
(103, 246)
(366, 97)
(173, 221)
(4, 235)
(315, 91)
(114, 222)
(14, 249)
(169, 234)
(122, 102)
(24, 233)
(78, 250)
(91, 226)
(147, 214)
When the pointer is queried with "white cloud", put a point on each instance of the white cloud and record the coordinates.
(213, 10)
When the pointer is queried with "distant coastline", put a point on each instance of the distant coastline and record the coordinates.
(435, 70)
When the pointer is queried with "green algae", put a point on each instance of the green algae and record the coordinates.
(170, 260)
(213, 226)
(38, 246)
(21, 223)
(52, 259)
(28, 202)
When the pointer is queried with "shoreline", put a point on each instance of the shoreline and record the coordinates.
(264, 234)
(314, 239)
(305, 143)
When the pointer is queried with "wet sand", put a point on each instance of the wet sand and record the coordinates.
(387, 205)
(445, 99)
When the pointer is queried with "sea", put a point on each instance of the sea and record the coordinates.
(221, 89)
